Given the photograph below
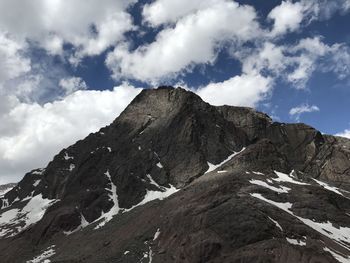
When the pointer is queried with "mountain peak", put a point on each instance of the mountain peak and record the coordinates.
(175, 165)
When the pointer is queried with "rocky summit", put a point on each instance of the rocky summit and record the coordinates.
(174, 179)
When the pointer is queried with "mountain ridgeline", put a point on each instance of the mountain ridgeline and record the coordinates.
(174, 179)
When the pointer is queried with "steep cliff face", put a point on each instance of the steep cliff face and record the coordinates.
(174, 179)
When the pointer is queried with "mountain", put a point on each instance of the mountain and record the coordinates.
(174, 179)
(5, 188)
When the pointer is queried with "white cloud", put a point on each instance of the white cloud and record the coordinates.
(345, 134)
(290, 15)
(169, 11)
(35, 133)
(287, 17)
(90, 26)
(72, 84)
(12, 63)
(325, 9)
(304, 108)
(244, 90)
(195, 39)
(295, 63)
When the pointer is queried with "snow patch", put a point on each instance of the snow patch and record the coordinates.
(36, 183)
(5, 203)
(156, 235)
(15, 220)
(153, 195)
(287, 178)
(341, 235)
(280, 189)
(338, 256)
(39, 171)
(159, 165)
(213, 167)
(67, 157)
(44, 257)
(83, 223)
(106, 217)
(276, 223)
(296, 242)
(71, 167)
(328, 187)
(155, 183)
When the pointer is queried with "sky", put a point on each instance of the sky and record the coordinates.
(68, 68)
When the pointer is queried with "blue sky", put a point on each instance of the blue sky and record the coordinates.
(61, 79)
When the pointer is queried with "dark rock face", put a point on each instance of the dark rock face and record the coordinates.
(174, 179)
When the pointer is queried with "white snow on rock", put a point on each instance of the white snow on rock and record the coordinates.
(36, 183)
(154, 182)
(213, 167)
(287, 178)
(151, 195)
(109, 149)
(83, 223)
(156, 235)
(30, 214)
(159, 165)
(280, 189)
(221, 171)
(276, 223)
(67, 157)
(106, 217)
(39, 171)
(328, 187)
(71, 167)
(338, 256)
(150, 255)
(296, 242)
(44, 256)
(5, 203)
(341, 235)
(257, 173)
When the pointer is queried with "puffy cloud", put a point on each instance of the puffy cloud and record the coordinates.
(345, 134)
(90, 26)
(31, 134)
(304, 108)
(72, 84)
(287, 17)
(169, 11)
(325, 9)
(195, 39)
(290, 15)
(13, 63)
(296, 63)
(244, 90)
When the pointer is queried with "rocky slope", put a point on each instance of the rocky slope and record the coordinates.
(5, 188)
(174, 179)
